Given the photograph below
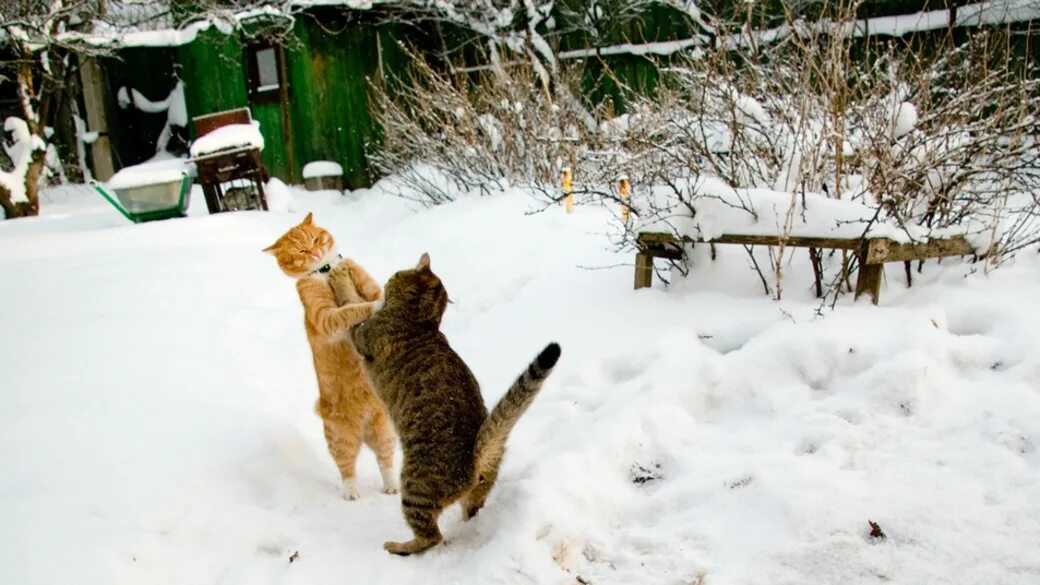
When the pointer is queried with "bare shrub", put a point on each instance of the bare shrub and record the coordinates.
(935, 146)
(485, 130)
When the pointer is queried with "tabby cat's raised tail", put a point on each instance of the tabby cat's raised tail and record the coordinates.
(491, 439)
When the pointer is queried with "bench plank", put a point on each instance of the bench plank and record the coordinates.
(884, 250)
(872, 253)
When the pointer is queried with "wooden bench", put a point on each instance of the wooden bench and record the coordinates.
(872, 253)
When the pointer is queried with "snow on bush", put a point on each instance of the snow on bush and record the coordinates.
(504, 129)
(923, 147)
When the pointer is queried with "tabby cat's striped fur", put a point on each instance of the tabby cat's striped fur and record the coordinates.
(452, 446)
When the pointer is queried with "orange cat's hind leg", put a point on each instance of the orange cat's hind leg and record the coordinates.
(344, 444)
(381, 437)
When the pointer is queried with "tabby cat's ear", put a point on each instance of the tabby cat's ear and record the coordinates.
(424, 262)
(309, 220)
(270, 249)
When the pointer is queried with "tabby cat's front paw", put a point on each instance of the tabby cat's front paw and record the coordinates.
(376, 305)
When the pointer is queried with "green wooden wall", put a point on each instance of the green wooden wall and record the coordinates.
(328, 72)
(328, 68)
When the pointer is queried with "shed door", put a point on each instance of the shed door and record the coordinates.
(269, 103)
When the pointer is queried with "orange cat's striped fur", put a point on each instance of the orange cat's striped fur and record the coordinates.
(350, 410)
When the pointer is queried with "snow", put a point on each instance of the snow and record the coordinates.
(904, 119)
(491, 128)
(228, 137)
(978, 14)
(83, 138)
(655, 48)
(152, 25)
(902, 24)
(322, 168)
(279, 196)
(723, 210)
(173, 105)
(175, 100)
(159, 169)
(158, 423)
(20, 151)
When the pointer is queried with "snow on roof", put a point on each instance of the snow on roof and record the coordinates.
(228, 137)
(977, 14)
(149, 23)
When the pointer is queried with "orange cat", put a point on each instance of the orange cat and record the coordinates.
(351, 411)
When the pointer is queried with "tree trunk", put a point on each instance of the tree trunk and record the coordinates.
(31, 207)
(36, 109)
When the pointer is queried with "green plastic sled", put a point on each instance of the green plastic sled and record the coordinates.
(150, 202)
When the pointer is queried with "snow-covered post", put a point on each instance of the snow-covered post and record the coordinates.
(568, 197)
(624, 191)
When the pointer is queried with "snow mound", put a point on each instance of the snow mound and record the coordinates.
(279, 197)
(686, 436)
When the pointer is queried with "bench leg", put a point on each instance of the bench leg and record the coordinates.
(869, 280)
(644, 270)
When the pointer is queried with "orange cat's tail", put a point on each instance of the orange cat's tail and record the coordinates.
(491, 439)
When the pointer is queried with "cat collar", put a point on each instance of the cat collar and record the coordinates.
(326, 268)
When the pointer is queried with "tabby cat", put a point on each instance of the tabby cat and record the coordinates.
(452, 446)
(351, 412)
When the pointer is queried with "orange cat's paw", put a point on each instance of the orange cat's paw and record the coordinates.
(341, 270)
(350, 491)
(376, 305)
(390, 485)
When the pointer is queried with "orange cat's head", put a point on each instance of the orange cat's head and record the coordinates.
(304, 249)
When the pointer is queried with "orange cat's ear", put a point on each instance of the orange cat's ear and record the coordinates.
(424, 262)
(309, 220)
(270, 249)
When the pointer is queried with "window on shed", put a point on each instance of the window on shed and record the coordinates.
(264, 66)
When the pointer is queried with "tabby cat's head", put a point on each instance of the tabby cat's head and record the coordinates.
(304, 249)
(419, 292)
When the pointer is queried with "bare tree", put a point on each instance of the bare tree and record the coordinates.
(40, 37)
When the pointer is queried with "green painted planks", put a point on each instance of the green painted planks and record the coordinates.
(328, 73)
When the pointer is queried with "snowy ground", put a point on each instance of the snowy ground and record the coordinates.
(156, 419)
